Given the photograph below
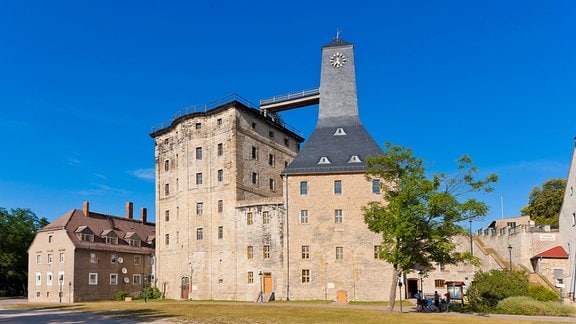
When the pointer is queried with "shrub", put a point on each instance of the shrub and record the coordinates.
(524, 305)
(153, 292)
(541, 293)
(488, 288)
(121, 295)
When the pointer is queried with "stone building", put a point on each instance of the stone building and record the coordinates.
(85, 256)
(220, 214)
(568, 229)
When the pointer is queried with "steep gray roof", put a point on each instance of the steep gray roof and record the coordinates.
(327, 152)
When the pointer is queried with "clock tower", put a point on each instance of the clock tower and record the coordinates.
(338, 97)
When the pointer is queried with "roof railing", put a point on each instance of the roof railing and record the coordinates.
(289, 96)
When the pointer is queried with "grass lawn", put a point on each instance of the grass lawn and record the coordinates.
(275, 312)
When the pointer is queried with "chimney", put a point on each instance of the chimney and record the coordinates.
(143, 214)
(129, 210)
(86, 209)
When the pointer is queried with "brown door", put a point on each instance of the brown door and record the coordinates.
(267, 282)
(342, 296)
(185, 288)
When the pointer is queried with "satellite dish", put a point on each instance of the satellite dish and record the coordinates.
(124, 270)
(126, 280)
(120, 260)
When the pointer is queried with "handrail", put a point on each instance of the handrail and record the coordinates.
(290, 96)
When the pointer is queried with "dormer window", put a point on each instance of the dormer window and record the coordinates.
(83, 233)
(132, 239)
(110, 237)
(339, 131)
(324, 160)
(354, 159)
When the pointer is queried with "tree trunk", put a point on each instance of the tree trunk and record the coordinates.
(392, 298)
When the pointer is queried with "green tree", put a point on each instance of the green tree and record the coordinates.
(544, 203)
(419, 215)
(17, 230)
(488, 288)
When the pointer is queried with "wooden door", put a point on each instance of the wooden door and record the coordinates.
(267, 282)
(185, 288)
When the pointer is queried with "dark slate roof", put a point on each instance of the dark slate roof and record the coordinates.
(337, 42)
(338, 149)
(100, 225)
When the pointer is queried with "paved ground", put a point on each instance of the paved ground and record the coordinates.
(58, 316)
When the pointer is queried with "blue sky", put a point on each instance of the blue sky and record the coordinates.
(82, 83)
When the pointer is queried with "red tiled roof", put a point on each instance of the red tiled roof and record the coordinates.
(557, 252)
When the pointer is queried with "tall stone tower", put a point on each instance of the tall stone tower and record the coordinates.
(331, 252)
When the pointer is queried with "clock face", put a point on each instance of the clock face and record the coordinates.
(337, 60)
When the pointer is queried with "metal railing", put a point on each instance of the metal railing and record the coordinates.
(290, 96)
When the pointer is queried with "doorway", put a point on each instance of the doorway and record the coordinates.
(267, 283)
(185, 288)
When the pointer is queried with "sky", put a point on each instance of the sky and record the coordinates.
(82, 84)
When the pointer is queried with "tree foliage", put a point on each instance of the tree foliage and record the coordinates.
(17, 230)
(419, 215)
(488, 288)
(544, 203)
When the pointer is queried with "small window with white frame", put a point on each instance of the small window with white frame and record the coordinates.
(137, 279)
(38, 278)
(92, 278)
(113, 278)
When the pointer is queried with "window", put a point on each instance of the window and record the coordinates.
(254, 153)
(266, 252)
(254, 178)
(220, 175)
(376, 186)
(38, 259)
(272, 184)
(271, 134)
(339, 253)
(286, 142)
(265, 217)
(304, 187)
(112, 240)
(199, 208)
(167, 215)
(250, 252)
(114, 258)
(219, 122)
(49, 278)
(166, 165)
(167, 189)
(337, 187)
(439, 283)
(93, 258)
(137, 279)
(136, 259)
(61, 277)
(338, 216)
(38, 278)
(199, 233)
(199, 153)
(92, 278)
(271, 159)
(220, 206)
(220, 149)
(134, 242)
(61, 257)
(167, 239)
(305, 275)
(249, 219)
(250, 277)
(198, 126)
(303, 217)
(88, 237)
(220, 232)
(305, 252)
(377, 249)
(198, 178)
(253, 125)
(49, 238)
(113, 278)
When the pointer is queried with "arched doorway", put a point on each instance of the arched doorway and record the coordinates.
(185, 288)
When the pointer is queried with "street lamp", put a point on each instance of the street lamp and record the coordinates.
(260, 297)
(510, 255)
(421, 273)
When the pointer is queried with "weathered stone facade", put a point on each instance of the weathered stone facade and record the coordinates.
(209, 165)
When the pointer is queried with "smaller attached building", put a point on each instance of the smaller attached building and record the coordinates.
(84, 256)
